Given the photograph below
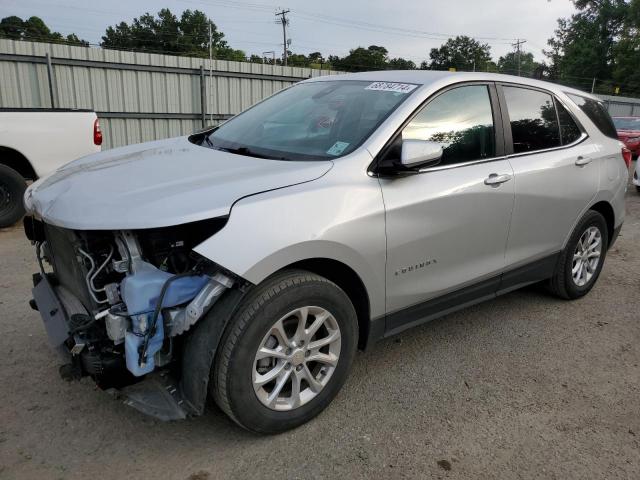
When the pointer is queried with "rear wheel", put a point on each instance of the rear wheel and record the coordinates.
(12, 187)
(286, 352)
(638, 188)
(581, 261)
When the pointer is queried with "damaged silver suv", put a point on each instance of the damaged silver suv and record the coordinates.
(250, 261)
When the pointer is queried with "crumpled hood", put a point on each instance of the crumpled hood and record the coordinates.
(158, 184)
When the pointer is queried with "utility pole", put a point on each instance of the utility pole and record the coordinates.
(593, 85)
(285, 22)
(210, 74)
(517, 46)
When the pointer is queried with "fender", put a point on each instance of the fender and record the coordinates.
(333, 217)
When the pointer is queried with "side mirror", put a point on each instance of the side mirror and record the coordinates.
(417, 152)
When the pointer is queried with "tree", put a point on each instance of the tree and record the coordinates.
(401, 64)
(297, 60)
(73, 39)
(361, 59)
(12, 27)
(461, 53)
(187, 35)
(584, 45)
(509, 64)
(36, 30)
(315, 57)
(626, 70)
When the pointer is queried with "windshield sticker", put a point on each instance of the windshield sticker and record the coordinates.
(391, 87)
(337, 148)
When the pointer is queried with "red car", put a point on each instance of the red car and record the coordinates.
(629, 133)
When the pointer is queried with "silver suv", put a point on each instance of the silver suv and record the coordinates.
(250, 261)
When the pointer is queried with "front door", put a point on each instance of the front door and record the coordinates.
(447, 226)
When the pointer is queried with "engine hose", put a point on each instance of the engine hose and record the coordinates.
(154, 319)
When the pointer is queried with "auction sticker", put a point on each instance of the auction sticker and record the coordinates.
(337, 148)
(391, 87)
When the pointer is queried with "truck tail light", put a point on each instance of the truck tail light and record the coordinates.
(97, 133)
(626, 156)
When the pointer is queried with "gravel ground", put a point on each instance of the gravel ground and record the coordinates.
(526, 386)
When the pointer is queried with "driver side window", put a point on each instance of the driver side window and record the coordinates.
(461, 121)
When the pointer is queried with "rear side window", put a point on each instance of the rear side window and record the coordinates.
(597, 113)
(461, 120)
(569, 130)
(534, 124)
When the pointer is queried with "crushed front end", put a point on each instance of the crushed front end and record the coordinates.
(119, 304)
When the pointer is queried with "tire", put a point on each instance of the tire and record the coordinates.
(637, 188)
(236, 368)
(12, 187)
(563, 283)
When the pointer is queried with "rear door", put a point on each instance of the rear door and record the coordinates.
(556, 172)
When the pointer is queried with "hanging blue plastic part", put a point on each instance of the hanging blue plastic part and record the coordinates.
(140, 293)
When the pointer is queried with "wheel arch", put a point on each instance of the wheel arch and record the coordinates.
(605, 209)
(12, 158)
(201, 344)
(350, 282)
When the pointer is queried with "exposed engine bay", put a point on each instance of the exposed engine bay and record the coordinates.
(118, 303)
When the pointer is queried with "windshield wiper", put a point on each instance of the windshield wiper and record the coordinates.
(249, 153)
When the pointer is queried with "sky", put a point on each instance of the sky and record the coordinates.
(408, 28)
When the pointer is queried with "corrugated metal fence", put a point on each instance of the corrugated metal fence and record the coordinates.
(138, 96)
(143, 96)
(622, 106)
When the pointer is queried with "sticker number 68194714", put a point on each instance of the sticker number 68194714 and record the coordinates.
(391, 87)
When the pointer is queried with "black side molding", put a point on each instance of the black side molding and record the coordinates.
(437, 307)
(488, 289)
(530, 273)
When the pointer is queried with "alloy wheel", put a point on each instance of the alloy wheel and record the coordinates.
(586, 256)
(296, 358)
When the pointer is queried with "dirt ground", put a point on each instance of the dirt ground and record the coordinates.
(526, 386)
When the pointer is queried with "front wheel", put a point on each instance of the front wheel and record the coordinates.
(286, 352)
(12, 187)
(582, 259)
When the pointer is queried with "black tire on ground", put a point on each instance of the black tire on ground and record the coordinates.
(12, 187)
(231, 384)
(562, 283)
(637, 189)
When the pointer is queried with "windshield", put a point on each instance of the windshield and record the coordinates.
(627, 123)
(310, 121)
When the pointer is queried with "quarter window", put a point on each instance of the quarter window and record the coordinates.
(597, 113)
(460, 120)
(534, 124)
(569, 130)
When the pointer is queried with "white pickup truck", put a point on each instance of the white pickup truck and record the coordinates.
(35, 142)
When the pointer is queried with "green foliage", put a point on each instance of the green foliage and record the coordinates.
(600, 41)
(401, 64)
(166, 33)
(626, 53)
(461, 53)
(362, 59)
(509, 64)
(36, 30)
